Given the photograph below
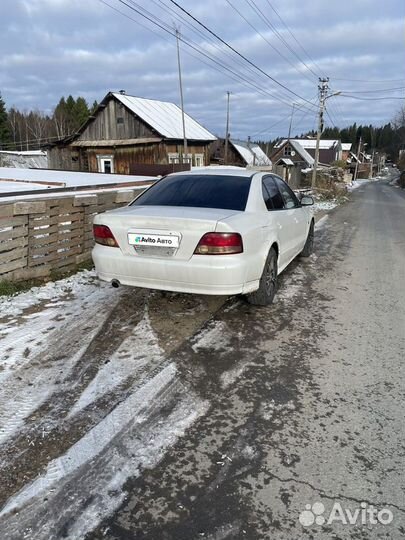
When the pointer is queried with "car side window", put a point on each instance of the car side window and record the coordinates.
(289, 198)
(274, 200)
(266, 197)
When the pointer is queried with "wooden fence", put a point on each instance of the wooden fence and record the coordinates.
(39, 236)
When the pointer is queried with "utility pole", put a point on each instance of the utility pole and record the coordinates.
(323, 88)
(184, 155)
(356, 170)
(372, 165)
(291, 119)
(227, 129)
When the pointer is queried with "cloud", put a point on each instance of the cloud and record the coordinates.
(52, 48)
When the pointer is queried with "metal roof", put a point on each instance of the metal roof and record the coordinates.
(302, 152)
(27, 159)
(286, 161)
(310, 144)
(251, 153)
(165, 118)
(347, 146)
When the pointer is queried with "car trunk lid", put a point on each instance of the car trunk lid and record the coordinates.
(162, 231)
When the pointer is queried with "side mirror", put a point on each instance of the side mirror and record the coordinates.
(307, 201)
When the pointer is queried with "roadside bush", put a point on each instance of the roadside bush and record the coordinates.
(339, 164)
(329, 188)
(329, 184)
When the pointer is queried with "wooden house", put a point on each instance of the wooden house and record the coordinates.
(290, 159)
(127, 133)
(330, 150)
(240, 153)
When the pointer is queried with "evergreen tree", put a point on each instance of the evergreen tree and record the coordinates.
(81, 112)
(5, 133)
(70, 114)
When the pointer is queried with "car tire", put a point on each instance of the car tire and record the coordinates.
(268, 282)
(309, 244)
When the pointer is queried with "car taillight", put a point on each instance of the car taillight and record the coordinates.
(104, 236)
(214, 243)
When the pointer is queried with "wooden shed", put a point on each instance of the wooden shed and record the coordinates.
(128, 132)
(289, 160)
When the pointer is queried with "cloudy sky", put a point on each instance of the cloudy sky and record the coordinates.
(52, 48)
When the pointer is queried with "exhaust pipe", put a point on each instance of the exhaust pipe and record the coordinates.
(115, 283)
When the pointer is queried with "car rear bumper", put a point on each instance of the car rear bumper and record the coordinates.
(202, 274)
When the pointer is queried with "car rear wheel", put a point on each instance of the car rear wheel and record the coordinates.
(268, 282)
(309, 244)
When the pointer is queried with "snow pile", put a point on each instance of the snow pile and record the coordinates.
(79, 284)
(325, 205)
(356, 184)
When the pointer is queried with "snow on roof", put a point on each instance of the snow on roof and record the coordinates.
(14, 187)
(287, 161)
(302, 152)
(165, 118)
(251, 153)
(36, 159)
(324, 144)
(347, 146)
(66, 178)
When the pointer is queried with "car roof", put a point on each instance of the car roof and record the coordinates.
(218, 171)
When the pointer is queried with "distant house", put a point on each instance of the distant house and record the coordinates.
(346, 149)
(240, 153)
(329, 149)
(127, 133)
(290, 159)
(27, 159)
(361, 164)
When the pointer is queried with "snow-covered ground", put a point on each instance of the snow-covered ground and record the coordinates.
(78, 353)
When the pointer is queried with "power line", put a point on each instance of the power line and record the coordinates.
(292, 34)
(267, 129)
(372, 99)
(371, 82)
(238, 53)
(163, 26)
(260, 13)
(193, 28)
(261, 35)
(375, 91)
(235, 76)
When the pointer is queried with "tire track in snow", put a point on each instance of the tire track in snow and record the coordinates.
(86, 483)
(134, 359)
(57, 453)
(30, 381)
(75, 375)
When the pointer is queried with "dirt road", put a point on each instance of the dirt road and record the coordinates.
(162, 416)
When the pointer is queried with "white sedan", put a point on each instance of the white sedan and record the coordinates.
(217, 232)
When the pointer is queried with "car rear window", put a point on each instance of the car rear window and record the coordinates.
(197, 190)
